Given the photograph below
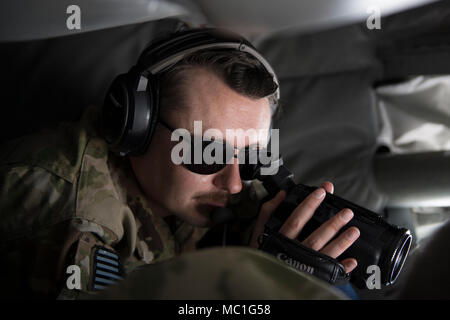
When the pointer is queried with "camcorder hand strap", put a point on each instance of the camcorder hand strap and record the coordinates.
(303, 258)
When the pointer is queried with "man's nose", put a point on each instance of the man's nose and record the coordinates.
(230, 178)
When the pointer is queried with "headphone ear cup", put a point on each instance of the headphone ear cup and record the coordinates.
(116, 112)
(147, 105)
(130, 113)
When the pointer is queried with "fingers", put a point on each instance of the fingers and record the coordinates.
(320, 237)
(266, 211)
(304, 211)
(319, 240)
(336, 247)
(328, 186)
(349, 264)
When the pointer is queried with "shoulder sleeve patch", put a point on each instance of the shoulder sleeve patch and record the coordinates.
(107, 268)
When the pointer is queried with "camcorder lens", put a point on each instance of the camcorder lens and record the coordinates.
(400, 257)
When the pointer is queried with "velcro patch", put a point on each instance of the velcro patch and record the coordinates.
(107, 268)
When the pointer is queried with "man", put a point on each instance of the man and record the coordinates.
(70, 205)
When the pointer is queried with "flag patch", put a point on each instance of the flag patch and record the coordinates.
(107, 268)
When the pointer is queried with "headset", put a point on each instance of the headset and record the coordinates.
(131, 107)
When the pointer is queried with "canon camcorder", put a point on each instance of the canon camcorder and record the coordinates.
(379, 244)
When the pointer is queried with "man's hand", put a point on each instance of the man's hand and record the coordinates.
(319, 240)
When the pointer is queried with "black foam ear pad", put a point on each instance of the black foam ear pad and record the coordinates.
(116, 111)
(130, 113)
(147, 105)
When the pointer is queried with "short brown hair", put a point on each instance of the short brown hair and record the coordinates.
(239, 70)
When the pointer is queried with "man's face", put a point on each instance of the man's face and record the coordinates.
(173, 189)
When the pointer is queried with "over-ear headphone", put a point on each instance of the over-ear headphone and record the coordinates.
(131, 106)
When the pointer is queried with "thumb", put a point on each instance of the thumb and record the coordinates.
(266, 211)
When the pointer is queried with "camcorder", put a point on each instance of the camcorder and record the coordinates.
(380, 244)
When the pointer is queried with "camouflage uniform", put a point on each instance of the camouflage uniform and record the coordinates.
(63, 196)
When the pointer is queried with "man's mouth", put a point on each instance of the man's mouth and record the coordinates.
(206, 208)
(214, 201)
(216, 204)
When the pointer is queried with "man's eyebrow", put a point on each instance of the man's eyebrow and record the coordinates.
(253, 145)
